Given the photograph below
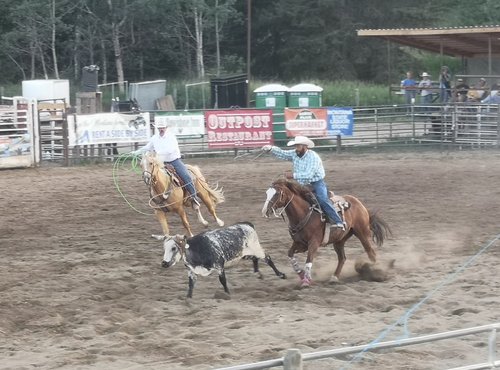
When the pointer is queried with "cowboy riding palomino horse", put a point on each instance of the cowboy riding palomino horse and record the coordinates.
(307, 226)
(168, 194)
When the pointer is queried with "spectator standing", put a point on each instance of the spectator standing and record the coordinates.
(425, 87)
(461, 90)
(409, 86)
(444, 84)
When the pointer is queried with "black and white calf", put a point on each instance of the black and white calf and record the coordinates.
(214, 251)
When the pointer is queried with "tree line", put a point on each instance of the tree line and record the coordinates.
(139, 40)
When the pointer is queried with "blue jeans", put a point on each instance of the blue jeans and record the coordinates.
(321, 192)
(183, 173)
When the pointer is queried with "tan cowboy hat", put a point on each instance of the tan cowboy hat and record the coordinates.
(301, 140)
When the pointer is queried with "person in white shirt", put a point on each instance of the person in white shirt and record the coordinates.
(425, 86)
(164, 143)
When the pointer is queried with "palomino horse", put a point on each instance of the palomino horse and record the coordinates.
(167, 195)
(307, 226)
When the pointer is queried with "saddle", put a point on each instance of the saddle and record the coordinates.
(339, 203)
(175, 177)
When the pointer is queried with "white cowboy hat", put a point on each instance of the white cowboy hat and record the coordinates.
(161, 124)
(425, 74)
(301, 140)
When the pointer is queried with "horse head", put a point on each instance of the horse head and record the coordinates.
(147, 165)
(154, 173)
(278, 197)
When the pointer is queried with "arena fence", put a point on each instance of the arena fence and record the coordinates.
(293, 359)
(451, 127)
(443, 127)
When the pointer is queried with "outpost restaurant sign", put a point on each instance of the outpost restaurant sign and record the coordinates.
(248, 128)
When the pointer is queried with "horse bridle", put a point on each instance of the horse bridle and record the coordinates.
(292, 229)
(280, 213)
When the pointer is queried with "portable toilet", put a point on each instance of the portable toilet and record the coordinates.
(274, 97)
(271, 96)
(305, 96)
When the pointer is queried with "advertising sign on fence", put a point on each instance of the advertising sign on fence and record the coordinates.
(184, 124)
(340, 121)
(306, 121)
(248, 128)
(107, 128)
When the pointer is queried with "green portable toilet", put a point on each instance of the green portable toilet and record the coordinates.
(271, 96)
(305, 96)
(274, 97)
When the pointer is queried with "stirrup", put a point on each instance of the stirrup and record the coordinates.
(338, 225)
(196, 203)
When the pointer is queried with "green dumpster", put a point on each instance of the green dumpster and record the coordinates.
(305, 96)
(274, 97)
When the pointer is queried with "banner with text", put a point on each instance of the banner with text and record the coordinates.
(340, 121)
(239, 128)
(305, 121)
(184, 124)
(106, 128)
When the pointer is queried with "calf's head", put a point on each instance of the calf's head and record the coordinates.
(173, 249)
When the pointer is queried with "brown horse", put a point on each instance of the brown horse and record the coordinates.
(307, 226)
(167, 195)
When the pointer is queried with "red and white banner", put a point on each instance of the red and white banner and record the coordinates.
(306, 122)
(249, 128)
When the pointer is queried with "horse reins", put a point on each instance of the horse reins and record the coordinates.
(293, 230)
(280, 213)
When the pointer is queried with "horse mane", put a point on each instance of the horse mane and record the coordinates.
(296, 188)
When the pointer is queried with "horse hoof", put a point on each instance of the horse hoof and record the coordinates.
(305, 283)
(334, 280)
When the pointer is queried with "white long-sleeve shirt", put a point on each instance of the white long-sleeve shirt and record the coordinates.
(166, 146)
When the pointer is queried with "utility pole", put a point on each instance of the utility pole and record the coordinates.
(249, 38)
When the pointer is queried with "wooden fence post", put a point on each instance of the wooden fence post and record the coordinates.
(292, 360)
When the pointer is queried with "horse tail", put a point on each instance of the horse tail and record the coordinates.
(380, 229)
(216, 194)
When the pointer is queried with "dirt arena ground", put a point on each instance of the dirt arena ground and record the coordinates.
(81, 284)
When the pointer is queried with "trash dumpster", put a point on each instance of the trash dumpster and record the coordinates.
(274, 97)
(305, 96)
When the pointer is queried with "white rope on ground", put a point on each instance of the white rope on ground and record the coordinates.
(403, 320)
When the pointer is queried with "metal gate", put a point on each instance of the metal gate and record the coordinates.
(19, 146)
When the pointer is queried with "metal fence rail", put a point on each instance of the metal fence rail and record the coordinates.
(293, 358)
(455, 126)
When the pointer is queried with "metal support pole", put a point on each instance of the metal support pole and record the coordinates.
(492, 344)
(292, 360)
(249, 39)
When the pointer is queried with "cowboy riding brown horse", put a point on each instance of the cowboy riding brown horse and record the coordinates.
(306, 225)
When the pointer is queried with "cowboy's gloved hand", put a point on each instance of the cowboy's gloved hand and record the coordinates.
(267, 148)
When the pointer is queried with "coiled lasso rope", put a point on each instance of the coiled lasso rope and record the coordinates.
(119, 164)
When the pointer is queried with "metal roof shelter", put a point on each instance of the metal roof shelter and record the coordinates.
(466, 42)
